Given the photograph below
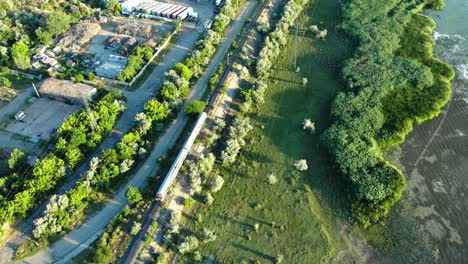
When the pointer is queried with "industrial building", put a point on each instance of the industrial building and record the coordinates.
(66, 90)
(157, 9)
(112, 67)
(128, 6)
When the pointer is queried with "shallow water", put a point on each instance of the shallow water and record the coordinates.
(435, 155)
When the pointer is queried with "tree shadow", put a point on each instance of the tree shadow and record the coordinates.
(258, 157)
(241, 224)
(283, 80)
(258, 220)
(257, 253)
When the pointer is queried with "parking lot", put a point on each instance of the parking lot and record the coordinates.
(42, 118)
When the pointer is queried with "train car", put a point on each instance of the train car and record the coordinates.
(174, 170)
(177, 11)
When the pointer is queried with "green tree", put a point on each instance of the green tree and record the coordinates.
(43, 36)
(19, 52)
(57, 23)
(114, 7)
(169, 91)
(103, 254)
(79, 77)
(5, 82)
(195, 107)
(46, 173)
(90, 76)
(133, 195)
(156, 111)
(73, 156)
(16, 160)
(183, 71)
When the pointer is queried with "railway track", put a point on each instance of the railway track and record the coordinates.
(152, 214)
(213, 102)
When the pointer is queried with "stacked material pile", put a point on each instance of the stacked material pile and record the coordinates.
(79, 35)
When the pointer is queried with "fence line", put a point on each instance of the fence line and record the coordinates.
(27, 75)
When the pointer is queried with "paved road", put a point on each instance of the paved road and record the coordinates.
(197, 92)
(135, 101)
(79, 239)
(13, 107)
(8, 140)
(16, 104)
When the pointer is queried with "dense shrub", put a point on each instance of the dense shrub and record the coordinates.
(81, 132)
(136, 61)
(238, 130)
(393, 82)
(195, 107)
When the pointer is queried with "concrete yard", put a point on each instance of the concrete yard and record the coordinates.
(43, 117)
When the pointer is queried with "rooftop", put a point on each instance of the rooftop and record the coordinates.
(66, 89)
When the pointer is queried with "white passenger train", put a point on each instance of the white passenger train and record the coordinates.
(174, 170)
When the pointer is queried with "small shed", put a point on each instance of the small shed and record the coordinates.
(76, 93)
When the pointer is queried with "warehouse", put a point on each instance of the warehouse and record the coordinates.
(129, 6)
(62, 90)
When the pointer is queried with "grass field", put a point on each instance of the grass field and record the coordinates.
(295, 217)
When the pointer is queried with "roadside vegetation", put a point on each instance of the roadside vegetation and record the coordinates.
(108, 171)
(139, 57)
(112, 245)
(393, 82)
(78, 135)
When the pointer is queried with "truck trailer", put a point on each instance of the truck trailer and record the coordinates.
(175, 13)
(184, 14)
(168, 12)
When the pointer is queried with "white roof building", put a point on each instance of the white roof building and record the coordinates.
(130, 5)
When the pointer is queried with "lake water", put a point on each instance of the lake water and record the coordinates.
(435, 156)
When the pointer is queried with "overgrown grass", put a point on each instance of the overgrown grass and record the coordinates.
(293, 215)
(17, 81)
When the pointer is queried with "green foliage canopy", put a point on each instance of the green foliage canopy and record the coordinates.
(393, 81)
